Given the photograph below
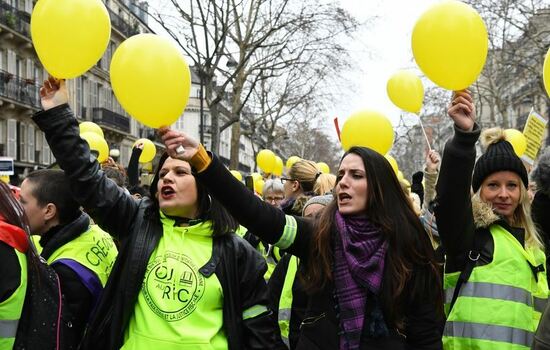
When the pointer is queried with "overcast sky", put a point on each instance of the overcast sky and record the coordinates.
(388, 41)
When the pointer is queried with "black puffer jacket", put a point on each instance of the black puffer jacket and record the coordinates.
(238, 267)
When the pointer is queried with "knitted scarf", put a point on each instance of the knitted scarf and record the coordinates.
(359, 254)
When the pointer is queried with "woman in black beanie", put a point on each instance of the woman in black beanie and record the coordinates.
(495, 280)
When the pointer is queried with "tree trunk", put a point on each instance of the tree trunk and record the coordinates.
(214, 129)
(235, 145)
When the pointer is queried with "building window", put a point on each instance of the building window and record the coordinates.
(30, 144)
(46, 154)
(93, 95)
(22, 142)
(11, 150)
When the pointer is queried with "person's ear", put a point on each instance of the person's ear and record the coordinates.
(50, 211)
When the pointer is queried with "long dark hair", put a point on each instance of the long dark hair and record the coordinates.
(208, 208)
(11, 210)
(410, 256)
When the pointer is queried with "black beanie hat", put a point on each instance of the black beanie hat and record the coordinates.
(499, 156)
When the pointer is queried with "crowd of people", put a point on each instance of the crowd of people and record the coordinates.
(89, 259)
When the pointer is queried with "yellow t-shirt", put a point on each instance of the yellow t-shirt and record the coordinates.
(177, 307)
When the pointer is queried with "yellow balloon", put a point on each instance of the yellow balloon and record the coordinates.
(406, 91)
(151, 79)
(368, 129)
(449, 43)
(291, 160)
(323, 167)
(278, 168)
(97, 144)
(148, 151)
(70, 36)
(546, 72)
(517, 139)
(256, 176)
(266, 160)
(237, 175)
(90, 127)
(259, 186)
(393, 163)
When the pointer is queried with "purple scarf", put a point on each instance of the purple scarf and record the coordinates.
(359, 255)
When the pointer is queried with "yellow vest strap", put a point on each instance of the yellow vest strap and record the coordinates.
(489, 332)
(8, 328)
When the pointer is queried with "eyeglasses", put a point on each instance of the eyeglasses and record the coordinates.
(273, 199)
(285, 179)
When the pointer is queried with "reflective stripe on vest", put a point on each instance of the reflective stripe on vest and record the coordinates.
(490, 332)
(11, 308)
(500, 305)
(285, 302)
(289, 233)
(94, 249)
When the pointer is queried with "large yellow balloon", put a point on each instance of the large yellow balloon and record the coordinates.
(449, 43)
(90, 127)
(406, 91)
(237, 175)
(148, 151)
(278, 168)
(368, 129)
(517, 139)
(546, 72)
(291, 160)
(266, 160)
(323, 167)
(151, 79)
(97, 144)
(70, 36)
(393, 163)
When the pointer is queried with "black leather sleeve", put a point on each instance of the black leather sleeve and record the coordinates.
(266, 221)
(110, 207)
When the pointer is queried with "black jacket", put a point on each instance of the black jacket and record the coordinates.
(320, 328)
(299, 298)
(237, 265)
(77, 299)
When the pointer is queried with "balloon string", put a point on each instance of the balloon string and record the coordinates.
(424, 132)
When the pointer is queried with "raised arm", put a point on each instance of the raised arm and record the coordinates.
(453, 209)
(431, 171)
(133, 166)
(270, 223)
(109, 206)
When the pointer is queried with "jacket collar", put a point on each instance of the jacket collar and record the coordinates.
(60, 235)
(484, 216)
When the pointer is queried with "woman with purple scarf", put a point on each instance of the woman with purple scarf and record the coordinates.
(369, 265)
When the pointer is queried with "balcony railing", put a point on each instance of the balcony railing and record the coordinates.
(13, 18)
(108, 118)
(121, 25)
(24, 91)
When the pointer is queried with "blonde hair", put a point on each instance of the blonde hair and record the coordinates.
(522, 218)
(324, 184)
(306, 173)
